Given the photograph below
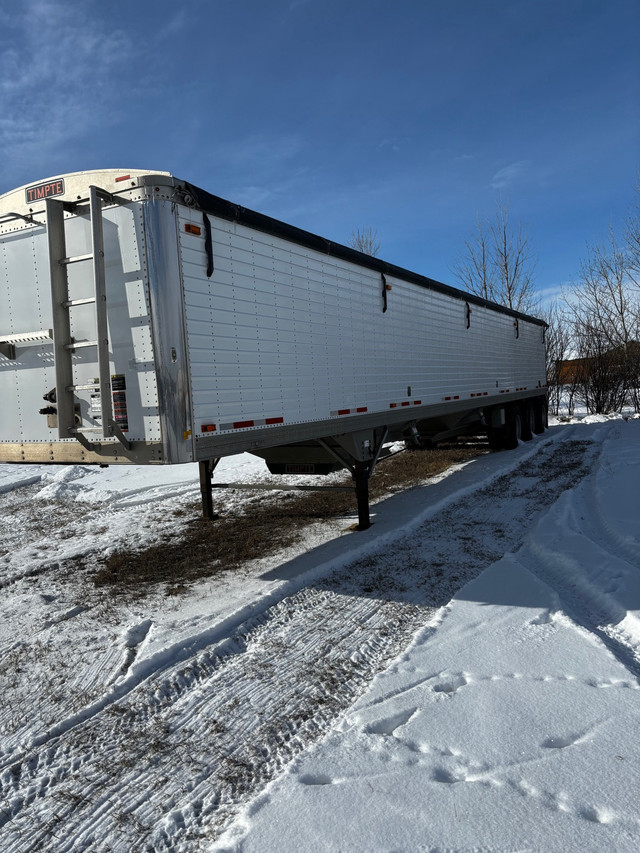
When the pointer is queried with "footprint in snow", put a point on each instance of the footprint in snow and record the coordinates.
(596, 815)
(132, 639)
(561, 742)
(544, 618)
(451, 683)
(317, 779)
(388, 725)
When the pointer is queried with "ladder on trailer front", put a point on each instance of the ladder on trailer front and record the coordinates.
(63, 344)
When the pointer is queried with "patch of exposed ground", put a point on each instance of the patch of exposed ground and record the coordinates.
(265, 525)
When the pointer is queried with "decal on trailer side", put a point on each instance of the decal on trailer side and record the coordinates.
(45, 190)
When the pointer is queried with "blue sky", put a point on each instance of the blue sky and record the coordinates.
(412, 116)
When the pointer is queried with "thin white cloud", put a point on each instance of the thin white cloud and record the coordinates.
(255, 197)
(62, 74)
(48, 84)
(175, 25)
(257, 152)
(510, 174)
(551, 293)
(393, 143)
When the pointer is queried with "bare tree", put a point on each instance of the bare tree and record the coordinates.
(514, 262)
(475, 269)
(557, 350)
(604, 311)
(600, 376)
(365, 240)
(498, 263)
(606, 298)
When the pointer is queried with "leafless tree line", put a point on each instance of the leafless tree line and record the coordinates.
(593, 340)
(593, 335)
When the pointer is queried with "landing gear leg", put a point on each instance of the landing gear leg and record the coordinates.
(207, 468)
(361, 474)
(359, 452)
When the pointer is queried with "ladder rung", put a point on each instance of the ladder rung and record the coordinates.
(26, 337)
(85, 429)
(71, 303)
(80, 344)
(76, 259)
(93, 386)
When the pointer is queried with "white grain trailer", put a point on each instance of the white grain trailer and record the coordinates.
(144, 320)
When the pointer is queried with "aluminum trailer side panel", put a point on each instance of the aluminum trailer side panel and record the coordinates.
(270, 336)
(286, 343)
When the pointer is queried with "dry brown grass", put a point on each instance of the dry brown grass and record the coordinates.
(206, 548)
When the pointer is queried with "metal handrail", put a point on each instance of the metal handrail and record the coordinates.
(11, 215)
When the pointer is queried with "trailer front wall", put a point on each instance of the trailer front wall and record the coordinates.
(26, 307)
(281, 334)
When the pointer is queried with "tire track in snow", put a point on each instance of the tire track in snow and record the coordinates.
(171, 762)
(596, 601)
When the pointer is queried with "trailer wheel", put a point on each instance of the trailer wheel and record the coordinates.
(496, 438)
(513, 429)
(528, 421)
(541, 415)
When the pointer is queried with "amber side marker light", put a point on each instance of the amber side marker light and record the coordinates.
(192, 229)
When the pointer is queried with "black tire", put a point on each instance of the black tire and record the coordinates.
(496, 438)
(513, 433)
(528, 420)
(541, 415)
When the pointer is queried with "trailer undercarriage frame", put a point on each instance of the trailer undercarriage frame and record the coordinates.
(358, 452)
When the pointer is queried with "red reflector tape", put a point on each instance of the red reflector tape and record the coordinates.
(122, 178)
(362, 409)
(406, 403)
(270, 421)
(243, 424)
(208, 428)
(417, 402)
(344, 411)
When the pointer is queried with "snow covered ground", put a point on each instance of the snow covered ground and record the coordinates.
(462, 677)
